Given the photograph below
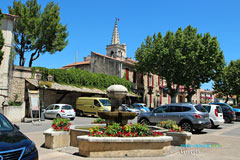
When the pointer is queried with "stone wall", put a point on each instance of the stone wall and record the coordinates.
(17, 82)
(5, 67)
(15, 113)
(105, 65)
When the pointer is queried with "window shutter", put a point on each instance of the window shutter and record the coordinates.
(127, 74)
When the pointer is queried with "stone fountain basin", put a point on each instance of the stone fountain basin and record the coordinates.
(79, 130)
(103, 147)
(117, 116)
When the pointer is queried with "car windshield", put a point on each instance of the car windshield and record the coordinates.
(200, 108)
(105, 102)
(67, 107)
(4, 124)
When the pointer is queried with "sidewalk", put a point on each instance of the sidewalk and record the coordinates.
(228, 138)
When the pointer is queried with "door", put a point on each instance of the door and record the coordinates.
(173, 113)
(159, 114)
(96, 106)
(55, 111)
(48, 111)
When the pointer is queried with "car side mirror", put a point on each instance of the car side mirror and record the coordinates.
(16, 126)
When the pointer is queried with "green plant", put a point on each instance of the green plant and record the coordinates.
(80, 78)
(99, 120)
(171, 125)
(61, 124)
(14, 102)
(130, 130)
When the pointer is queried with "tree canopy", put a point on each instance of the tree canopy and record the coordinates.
(1, 39)
(37, 32)
(184, 58)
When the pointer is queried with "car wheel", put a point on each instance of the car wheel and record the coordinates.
(72, 119)
(228, 120)
(186, 126)
(212, 124)
(198, 130)
(81, 113)
(144, 121)
(216, 126)
(58, 116)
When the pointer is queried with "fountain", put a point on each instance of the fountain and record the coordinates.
(116, 93)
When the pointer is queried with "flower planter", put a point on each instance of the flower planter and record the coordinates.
(76, 130)
(56, 139)
(103, 147)
(180, 138)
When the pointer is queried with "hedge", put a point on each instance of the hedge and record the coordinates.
(82, 78)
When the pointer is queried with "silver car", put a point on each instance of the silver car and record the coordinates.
(188, 116)
(60, 111)
(129, 108)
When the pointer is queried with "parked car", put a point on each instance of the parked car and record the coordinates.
(60, 111)
(215, 114)
(141, 107)
(188, 116)
(129, 108)
(92, 105)
(229, 113)
(14, 144)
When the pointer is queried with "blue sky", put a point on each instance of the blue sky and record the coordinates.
(91, 22)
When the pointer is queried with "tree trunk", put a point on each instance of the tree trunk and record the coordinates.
(173, 98)
(189, 98)
(237, 99)
(226, 99)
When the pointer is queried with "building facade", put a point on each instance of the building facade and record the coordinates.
(151, 88)
(6, 65)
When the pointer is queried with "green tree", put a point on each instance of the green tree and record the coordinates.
(204, 60)
(37, 32)
(184, 58)
(1, 39)
(221, 85)
(234, 77)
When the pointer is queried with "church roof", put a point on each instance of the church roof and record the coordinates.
(115, 36)
(75, 64)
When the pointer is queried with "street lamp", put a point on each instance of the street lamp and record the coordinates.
(150, 92)
(38, 77)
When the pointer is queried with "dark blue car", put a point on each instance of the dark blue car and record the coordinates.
(13, 144)
(229, 113)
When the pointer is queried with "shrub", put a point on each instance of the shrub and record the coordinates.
(171, 125)
(130, 130)
(80, 78)
(99, 120)
(61, 124)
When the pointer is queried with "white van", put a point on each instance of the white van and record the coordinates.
(215, 114)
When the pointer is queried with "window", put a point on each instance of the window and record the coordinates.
(175, 108)
(96, 103)
(105, 102)
(162, 109)
(134, 77)
(208, 108)
(185, 109)
(150, 80)
(4, 124)
(50, 107)
(219, 109)
(200, 108)
(56, 107)
(67, 107)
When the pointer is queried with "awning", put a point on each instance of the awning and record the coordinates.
(61, 87)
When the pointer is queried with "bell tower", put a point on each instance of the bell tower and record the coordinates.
(115, 49)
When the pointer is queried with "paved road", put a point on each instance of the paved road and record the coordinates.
(227, 138)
